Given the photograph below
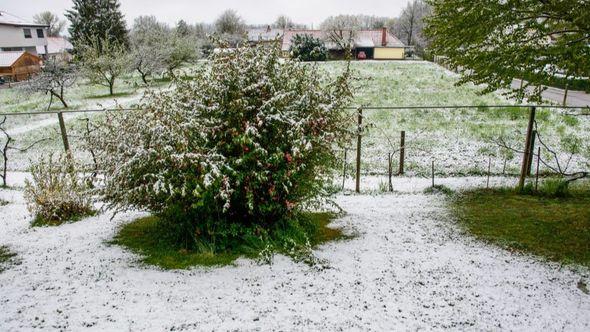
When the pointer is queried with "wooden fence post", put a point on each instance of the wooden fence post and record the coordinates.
(402, 153)
(531, 153)
(432, 173)
(527, 152)
(358, 150)
(64, 134)
(344, 168)
(537, 172)
(489, 172)
(389, 155)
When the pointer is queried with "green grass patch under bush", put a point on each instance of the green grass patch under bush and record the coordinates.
(6, 256)
(41, 222)
(556, 227)
(149, 238)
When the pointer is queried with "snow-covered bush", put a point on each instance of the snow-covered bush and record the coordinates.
(231, 154)
(57, 192)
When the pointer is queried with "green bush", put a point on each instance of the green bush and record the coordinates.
(308, 48)
(553, 188)
(57, 192)
(233, 154)
(6, 257)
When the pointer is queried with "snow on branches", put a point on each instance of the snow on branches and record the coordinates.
(242, 144)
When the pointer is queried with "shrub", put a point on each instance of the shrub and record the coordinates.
(439, 189)
(57, 193)
(552, 188)
(308, 48)
(232, 154)
(6, 258)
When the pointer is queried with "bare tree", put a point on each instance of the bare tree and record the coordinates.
(55, 25)
(556, 163)
(283, 22)
(6, 147)
(55, 77)
(342, 30)
(4, 152)
(230, 23)
(410, 24)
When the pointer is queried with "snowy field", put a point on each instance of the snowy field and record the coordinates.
(409, 267)
(458, 140)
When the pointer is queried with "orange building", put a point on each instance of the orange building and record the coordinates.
(19, 66)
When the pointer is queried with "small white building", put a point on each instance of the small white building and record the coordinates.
(17, 35)
(57, 48)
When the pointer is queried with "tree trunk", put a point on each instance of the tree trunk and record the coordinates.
(5, 161)
(143, 76)
(60, 97)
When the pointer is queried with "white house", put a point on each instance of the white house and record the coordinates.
(58, 48)
(18, 35)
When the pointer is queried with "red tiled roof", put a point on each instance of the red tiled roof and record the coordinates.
(363, 38)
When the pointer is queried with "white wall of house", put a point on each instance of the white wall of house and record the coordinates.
(13, 37)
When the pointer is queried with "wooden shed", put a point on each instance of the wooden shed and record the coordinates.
(18, 66)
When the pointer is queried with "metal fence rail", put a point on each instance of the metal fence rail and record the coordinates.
(359, 121)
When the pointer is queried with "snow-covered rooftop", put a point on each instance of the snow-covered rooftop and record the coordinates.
(9, 19)
(363, 38)
(264, 34)
(9, 58)
(56, 45)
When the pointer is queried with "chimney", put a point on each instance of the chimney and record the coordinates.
(384, 37)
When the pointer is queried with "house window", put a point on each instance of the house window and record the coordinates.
(28, 33)
(40, 33)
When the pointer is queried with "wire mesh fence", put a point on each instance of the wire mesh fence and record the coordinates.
(481, 140)
(416, 141)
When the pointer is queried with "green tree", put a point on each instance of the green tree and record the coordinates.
(92, 19)
(495, 42)
(103, 62)
(56, 25)
(183, 29)
(307, 48)
(149, 50)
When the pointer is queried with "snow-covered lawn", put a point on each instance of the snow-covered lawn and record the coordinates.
(410, 267)
(456, 139)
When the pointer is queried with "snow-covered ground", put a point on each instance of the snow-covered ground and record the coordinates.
(410, 267)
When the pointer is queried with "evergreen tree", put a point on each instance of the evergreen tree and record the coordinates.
(307, 48)
(183, 29)
(92, 19)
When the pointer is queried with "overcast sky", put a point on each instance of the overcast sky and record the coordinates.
(253, 11)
